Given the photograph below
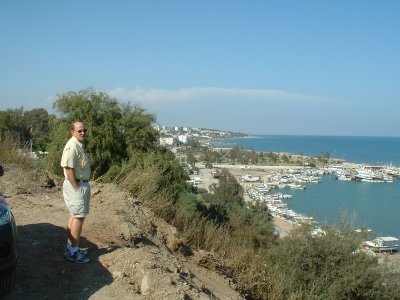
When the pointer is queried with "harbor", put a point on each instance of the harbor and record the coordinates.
(298, 195)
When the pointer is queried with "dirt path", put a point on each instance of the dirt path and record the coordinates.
(134, 254)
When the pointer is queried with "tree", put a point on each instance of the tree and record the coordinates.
(272, 157)
(324, 157)
(285, 158)
(226, 194)
(115, 131)
(136, 127)
(236, 153)
(253, 156)
(191, 159)
(4, 121)
(28, 126)
(37, 121)
(325, 266)
(17, 125)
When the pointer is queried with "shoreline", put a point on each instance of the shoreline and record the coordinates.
(284, 224)
(283, 227)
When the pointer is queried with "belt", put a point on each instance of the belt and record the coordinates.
(82, 180)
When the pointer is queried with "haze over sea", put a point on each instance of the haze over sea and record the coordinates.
(374, 205)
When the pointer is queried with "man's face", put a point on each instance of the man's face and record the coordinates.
(79, 131)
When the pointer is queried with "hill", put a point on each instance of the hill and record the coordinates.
(135, 255)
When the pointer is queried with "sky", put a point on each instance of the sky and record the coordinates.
(258, 67)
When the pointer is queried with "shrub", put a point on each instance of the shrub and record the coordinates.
(115, 131)
(11, 152)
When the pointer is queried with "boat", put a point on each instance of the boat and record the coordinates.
(383, 244)
(367, 175)
(250, 178)
(296, 186)
(344, 177)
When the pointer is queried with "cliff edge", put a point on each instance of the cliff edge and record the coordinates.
(135, 255)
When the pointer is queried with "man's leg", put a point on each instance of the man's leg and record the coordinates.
(72, 252)
(74, 230)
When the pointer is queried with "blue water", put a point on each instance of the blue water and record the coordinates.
(372, 205)
(374, 150)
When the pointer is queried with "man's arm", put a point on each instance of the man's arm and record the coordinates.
(71, 177)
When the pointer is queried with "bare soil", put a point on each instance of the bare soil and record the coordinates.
(134, 255)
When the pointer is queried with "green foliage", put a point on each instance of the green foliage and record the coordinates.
(115, 131)
(252, 226)
(324, 266)
(312, 165)
(208, 157)
(4, 121)
(236, 153)
(273, 157)
(228, 192)
(155, 177)
(136, 127)
(16, 124)
(190, 159)
(324, 157)
(189, 202)
(285, 158)
(39, 122)
(29, 127)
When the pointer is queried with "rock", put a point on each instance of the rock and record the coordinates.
(118, 275)
(129, 232)
(96, 191)
(48, 183)
(145, 284)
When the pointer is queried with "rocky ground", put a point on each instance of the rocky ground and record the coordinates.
(135, 255)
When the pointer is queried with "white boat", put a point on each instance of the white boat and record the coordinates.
(250, 178)
(344, 177)
(296, 186)
(367, 175)
(383, 244)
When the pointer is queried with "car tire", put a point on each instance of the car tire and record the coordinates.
(7, 282)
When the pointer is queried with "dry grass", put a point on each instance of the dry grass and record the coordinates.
(202, 233)
(11, 152)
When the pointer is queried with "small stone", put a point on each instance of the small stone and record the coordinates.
(96, 191)
(118, 274)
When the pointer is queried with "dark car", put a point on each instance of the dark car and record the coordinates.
(8, 246)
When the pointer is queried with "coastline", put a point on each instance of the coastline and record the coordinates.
(285, 219)
(283, 227)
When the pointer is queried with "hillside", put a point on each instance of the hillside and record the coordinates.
(135, 255)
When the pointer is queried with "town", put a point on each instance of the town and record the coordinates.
(175, 137)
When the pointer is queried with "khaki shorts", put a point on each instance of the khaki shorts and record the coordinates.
(77, 201)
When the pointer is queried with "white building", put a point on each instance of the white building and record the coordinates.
(183, 138)
(166, 141)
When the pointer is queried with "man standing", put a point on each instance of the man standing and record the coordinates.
(76, 190)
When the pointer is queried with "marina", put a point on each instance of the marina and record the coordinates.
(276, 187)
(344, 191)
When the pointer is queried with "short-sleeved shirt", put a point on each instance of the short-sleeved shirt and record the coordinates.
(74, 156)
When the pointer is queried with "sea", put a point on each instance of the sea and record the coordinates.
(371, 205)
